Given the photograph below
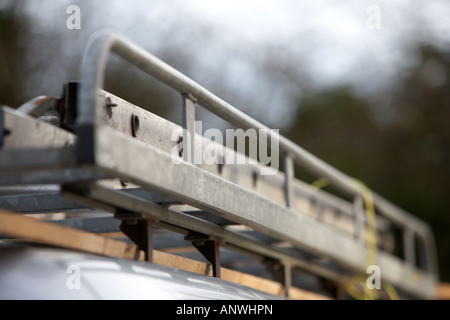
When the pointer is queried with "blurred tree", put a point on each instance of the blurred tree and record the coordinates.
(336, 126)
(406, 160)
(421, 142)
(12, 54)
(22, 65)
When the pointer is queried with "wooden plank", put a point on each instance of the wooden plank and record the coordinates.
(443, 291)
(179, 250)
(252, 281)
(114, 234)
(301, 294)
(21, 227)
(179, 262)
(258, 283)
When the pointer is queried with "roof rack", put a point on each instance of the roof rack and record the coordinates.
(108, 154)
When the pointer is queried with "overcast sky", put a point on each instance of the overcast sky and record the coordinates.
(230, 46)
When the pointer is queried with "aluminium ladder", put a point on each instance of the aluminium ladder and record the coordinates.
(111, 155)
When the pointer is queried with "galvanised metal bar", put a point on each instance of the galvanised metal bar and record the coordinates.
(155, 170)
(358, 211)
(92, 79)
(150, 210)
(189, 128)
(288, 177)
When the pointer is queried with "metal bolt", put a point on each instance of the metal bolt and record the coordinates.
(220, 162)
(134, 125)
(109, 105)
(180, 139)
(255, 178)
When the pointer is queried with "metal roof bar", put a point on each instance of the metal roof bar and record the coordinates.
(92, 79)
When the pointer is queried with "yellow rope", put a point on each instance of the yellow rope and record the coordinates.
(371, 239)
(320, 183)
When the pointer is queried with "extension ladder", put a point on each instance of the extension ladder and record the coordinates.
(108, 154)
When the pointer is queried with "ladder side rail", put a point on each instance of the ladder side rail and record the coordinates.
(92, 79)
